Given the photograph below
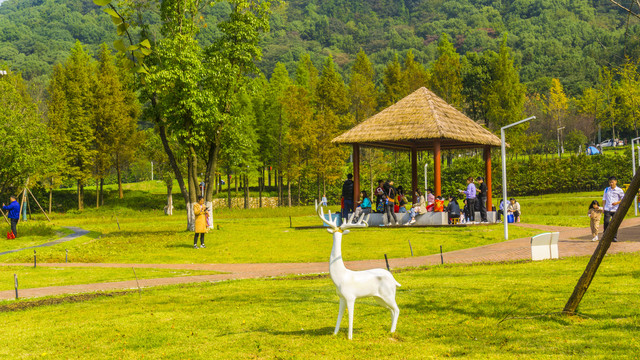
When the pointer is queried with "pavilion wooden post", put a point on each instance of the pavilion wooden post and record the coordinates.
(487, 178)
(414, 171)
(436, 168)
(356, 175)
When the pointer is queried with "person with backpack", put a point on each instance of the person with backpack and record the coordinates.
(14, 214)
(390, 195)
(611, 201)
(347, 197)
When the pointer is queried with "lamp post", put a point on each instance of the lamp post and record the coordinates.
(504, 175)
(425, 177)
(633, 159)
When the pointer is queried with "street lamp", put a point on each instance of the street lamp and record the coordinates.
(633, 159)
(504, 175)
(558, 131)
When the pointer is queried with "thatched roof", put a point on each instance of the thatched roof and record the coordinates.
(415, 122)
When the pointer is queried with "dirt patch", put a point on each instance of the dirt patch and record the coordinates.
(24, 305)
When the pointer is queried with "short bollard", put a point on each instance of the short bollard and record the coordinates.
(441, 258)
(15, 282)
(387, 261)
(34, 258)
(410, 248)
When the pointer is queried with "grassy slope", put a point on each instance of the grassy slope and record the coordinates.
(448, 311)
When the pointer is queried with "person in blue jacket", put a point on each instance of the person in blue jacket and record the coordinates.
(14, 214)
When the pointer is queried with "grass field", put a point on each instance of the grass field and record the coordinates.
(29, 277)
(478, 312)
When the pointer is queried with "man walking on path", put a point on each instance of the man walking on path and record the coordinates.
(14, 214)
(481, 195)
(610, 201)
(347, 196)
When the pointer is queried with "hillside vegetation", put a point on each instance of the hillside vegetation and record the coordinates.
(567, 39)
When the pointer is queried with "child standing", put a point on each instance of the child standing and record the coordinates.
(595, 213)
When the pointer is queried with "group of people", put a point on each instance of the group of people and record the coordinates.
(390, 200)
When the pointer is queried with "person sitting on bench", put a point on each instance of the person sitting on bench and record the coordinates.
(419, 207)
(453, 209)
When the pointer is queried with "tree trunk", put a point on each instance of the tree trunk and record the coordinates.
(97, 193)
(289, 190)
(229, 190)
(246, 192)
(260, 181)
(80, 195)
(120, 193)
(162, 131)
(269, 174)
(101, 191)
(299, 185)
(604, 244)
(192, 177)
(169, 208)
(236, 185)
(50, 198)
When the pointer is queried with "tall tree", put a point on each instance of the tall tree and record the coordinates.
(445, 80)
(414, 74)
(115, 117)
(192, 89)
(71, 116)
(331, 117)
(362, 88)
(506, 95)
(557, 106)
(26, 151)
(392, 83)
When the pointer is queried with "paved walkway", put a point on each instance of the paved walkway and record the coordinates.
(571, 243)
(77, 232)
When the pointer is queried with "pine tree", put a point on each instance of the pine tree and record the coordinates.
(414, 74)
(393, 84)
(72, 119)
(506, 95)
(116, 115)
(362, 89)
(445, 80)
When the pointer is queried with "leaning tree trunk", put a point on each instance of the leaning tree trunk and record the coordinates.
(603, 246)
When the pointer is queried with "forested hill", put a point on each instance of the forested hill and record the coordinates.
(566, 39)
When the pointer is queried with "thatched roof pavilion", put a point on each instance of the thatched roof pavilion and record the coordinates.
(420, 121)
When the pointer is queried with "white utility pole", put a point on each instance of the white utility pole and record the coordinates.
(504, 175)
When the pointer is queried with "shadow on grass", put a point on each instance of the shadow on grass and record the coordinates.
(312, 332)
(180, 246)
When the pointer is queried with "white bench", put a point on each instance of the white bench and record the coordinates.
(545, 246)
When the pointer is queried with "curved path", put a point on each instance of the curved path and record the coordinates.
(572, 243)
(77, 232)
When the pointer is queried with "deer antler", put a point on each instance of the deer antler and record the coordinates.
(330, 223)
(361, 222)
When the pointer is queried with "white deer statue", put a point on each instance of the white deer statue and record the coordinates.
(351, 285)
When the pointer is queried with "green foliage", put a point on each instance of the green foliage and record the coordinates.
(71, 118)
(445, 74)
(26, 151)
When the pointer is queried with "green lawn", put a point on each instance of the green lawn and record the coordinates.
(265, 235)
(146, 237)
(29, 277)
(446, 311)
